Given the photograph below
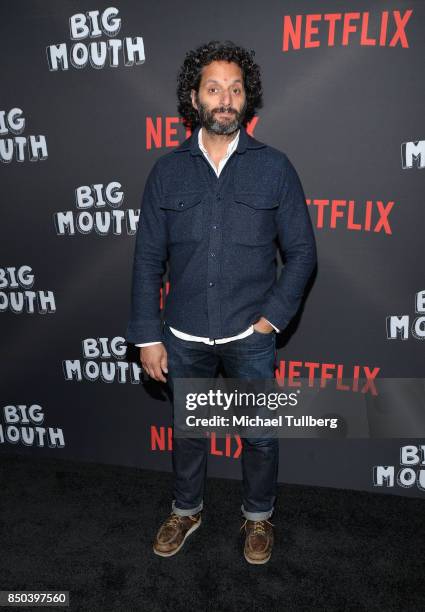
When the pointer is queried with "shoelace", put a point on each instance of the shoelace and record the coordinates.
(174, 519)
(259, 527)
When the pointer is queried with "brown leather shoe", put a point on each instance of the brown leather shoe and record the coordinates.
(173, 532)
(258, 541)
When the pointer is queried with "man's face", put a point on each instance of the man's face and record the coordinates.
(221, 100)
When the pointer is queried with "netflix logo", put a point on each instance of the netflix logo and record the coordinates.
(231, 446)
(388, 29)
(358, 379)
(164, 132)
(369, 216)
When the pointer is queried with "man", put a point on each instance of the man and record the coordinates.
(214, 208)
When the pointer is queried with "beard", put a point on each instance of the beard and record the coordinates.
(209, 120)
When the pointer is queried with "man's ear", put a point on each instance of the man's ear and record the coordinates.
(192, 95)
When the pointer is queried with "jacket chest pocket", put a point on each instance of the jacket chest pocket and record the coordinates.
(252, 217)
(184, 216)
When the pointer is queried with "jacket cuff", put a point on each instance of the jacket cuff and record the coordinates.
(148, 331)
(274, 326)
(273, 312)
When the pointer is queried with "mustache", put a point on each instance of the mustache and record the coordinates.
(222, 109)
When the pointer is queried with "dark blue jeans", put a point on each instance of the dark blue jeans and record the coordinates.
(250, 357)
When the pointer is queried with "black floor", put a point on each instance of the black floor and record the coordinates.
(88, 528)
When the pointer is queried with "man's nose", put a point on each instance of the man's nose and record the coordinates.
(225, 98)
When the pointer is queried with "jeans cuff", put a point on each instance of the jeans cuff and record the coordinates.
(256, 516)
(185, 511)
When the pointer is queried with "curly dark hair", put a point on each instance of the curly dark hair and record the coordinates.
(189, 77)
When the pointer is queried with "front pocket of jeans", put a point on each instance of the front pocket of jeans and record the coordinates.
(184, 216)
(263, 333)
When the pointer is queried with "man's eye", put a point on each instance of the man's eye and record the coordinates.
(212, 89)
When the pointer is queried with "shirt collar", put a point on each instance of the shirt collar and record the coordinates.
(230, 148)
(245, 141)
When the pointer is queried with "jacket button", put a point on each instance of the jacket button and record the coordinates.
(212, 254)
(211, 284)
(215, 226)
(181, 204)
(218, 196)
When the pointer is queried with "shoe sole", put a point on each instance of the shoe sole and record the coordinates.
(257, 561)
(173, 552)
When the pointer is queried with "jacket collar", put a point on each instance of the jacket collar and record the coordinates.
(245, 142)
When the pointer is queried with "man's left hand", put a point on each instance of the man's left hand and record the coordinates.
(263, 326)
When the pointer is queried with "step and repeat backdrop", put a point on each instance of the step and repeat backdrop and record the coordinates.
(88, 104)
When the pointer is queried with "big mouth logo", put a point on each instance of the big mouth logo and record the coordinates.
(413, 154)
(24, 425)
(98, 211)
(92, 25)
(23, 300)
(411, 457)
(112, 366)
(15, 146)
(398, 326)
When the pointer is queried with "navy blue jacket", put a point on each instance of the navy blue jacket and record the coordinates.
(219, 236)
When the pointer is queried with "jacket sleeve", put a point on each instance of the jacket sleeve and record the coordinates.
(298, 245)
(150, 256)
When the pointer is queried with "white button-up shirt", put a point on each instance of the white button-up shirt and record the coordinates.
(230, 149)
